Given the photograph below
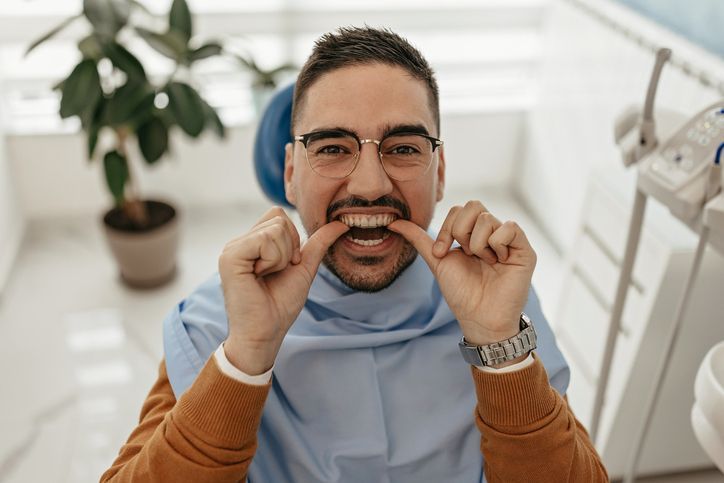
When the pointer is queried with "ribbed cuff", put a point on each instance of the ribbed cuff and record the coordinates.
(223, 408)
(514, 398)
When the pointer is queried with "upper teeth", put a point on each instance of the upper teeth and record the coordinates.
(367, 221)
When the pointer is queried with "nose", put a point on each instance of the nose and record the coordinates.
(369, 179)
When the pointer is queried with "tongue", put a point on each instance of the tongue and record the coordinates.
(366, 233)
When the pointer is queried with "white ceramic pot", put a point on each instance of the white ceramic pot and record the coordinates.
(146, 258)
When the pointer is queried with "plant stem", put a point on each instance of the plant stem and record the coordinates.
(133, 206)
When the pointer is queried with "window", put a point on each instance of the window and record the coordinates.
(485, 51)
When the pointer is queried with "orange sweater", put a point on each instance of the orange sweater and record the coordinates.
(529, 433)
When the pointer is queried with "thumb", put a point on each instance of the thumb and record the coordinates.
(418, 238)
(317, 245)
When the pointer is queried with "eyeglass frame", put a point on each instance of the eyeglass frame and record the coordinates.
(304, 139)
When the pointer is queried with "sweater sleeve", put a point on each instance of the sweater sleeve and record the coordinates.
(208, 435)
(528, 432)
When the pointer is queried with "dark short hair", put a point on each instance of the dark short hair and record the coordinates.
(348, 46)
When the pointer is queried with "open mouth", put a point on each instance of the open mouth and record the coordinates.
(367, 230)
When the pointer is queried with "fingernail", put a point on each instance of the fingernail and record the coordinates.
(438, 247)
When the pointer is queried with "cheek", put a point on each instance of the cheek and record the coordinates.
(421, 201)
(314, 195)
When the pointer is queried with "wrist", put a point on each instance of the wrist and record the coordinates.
(250, 358)
(477, 335)
(499, 348)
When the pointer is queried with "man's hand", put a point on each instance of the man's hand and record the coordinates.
(485, 282)
(266, 276)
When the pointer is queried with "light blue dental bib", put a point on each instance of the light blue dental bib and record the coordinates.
(366, 387)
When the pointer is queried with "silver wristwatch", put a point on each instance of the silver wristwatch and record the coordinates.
(505, 350)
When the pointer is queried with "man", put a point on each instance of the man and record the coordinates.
(360, 332)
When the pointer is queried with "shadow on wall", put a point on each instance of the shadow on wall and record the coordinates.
(700, 21)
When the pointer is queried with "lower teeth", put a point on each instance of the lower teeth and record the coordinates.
(368, 243)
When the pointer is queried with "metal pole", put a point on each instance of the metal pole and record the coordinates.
(630, 472)
(624, 280)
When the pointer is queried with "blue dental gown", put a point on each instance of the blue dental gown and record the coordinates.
(367, 387)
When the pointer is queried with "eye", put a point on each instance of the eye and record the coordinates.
(403, 149)
(331, 149)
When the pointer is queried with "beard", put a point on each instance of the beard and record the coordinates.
(368, 273)
(370, 280)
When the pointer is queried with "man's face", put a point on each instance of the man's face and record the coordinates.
(368, 100)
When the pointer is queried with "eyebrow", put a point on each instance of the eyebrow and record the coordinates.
(387, 130)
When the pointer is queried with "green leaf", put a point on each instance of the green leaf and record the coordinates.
(179, 19)
(91, 47)
(92, 126)
(129, 102)
(92, 122)
(107, 16)
(140, 6)
(116, 170)
(169, 44)
(92, 140)
(207, 50)
(212, 118)
(281, 68)
(248, 63)
(153, 139)
(125, 61)
(187, 107)
(53, 32)
(81, 90)
(58, 86)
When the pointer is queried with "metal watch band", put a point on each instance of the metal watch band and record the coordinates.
(505, 350)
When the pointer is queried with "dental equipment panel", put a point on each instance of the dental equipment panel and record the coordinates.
(678, 173)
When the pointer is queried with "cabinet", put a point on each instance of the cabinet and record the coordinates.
(665, 253)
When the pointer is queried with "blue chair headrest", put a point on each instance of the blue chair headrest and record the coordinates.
(273, 133)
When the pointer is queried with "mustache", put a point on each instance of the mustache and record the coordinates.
(353, 202)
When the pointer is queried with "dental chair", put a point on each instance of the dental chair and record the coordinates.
(273, 133)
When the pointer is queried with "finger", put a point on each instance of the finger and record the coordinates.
(275, 250)
(270, 257)
(288, 224)
(509, 237)
(317, 245)
(465, 222)
(418, 238)
(444, 239)
(269, 214)
(485, 226)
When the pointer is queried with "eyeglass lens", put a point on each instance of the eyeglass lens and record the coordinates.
(404, 156)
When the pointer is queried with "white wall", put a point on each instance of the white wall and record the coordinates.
(589, 74)
(11, 220)
(53, 177)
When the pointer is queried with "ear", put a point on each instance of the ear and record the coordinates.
(289, 191)
(440, 175)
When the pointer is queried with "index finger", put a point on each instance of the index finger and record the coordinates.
(418, 238)
(319, 242)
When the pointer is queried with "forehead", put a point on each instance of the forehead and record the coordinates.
(366, 99)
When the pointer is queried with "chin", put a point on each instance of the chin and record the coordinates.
(369, 273)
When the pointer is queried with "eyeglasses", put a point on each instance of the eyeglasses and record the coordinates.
(335, 154)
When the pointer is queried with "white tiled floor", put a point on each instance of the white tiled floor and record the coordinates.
(79, 350)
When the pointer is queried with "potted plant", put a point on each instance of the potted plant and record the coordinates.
(264, 81)
(124, 111)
